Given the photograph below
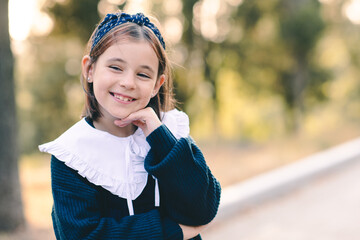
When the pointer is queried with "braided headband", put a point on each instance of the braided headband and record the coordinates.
(113, 20)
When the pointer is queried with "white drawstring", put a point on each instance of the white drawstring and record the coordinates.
(157, 193)
(130, 206)
(128, 187)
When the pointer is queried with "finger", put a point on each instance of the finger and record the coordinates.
(141, 117)
(132, 118)
(140, 124)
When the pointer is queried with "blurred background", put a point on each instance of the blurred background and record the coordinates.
(264, 83)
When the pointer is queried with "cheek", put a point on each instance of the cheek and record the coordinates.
(100, 94)
(100, 85)
(147, 94)
(97, 89)
(145, 101)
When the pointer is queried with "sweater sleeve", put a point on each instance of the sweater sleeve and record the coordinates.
(76, 213)
(189, 191)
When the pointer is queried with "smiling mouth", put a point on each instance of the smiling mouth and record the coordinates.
(122, 98)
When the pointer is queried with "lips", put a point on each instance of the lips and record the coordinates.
(122, 97)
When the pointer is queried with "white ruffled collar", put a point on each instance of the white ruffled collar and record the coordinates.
(114, 163)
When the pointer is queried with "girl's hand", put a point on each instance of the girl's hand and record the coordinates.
(191, 231)
(146, 119)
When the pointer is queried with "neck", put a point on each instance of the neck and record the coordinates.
(108, 125)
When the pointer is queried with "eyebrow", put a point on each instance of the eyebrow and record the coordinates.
(116, 60)
(123, 61)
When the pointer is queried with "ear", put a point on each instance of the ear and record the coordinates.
(158, 84)
(87, 68)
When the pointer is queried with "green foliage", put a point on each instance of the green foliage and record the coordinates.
(301, 26)
(257, 81)
(287, 51)
(74, 18)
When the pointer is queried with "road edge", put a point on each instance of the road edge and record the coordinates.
(269, 185)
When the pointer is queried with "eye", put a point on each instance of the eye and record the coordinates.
(143, 75)
(116, 68)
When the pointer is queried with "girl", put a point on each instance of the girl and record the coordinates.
(128, 169)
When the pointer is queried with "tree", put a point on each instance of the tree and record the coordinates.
(11, 212)
(279, 39)
(300, 29)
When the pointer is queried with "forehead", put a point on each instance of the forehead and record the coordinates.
(132, 51)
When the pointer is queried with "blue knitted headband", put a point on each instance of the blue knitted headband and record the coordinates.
(116, 19)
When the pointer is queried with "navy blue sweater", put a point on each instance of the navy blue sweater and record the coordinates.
(189, 193)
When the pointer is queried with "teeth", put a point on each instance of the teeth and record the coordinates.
(125, 99)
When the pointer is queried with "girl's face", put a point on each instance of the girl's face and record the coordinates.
(124, 78)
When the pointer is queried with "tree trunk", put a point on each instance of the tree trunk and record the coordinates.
(11, 212)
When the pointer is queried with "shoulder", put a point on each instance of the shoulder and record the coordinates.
(60, 170)
(177, 122)
(64, 178)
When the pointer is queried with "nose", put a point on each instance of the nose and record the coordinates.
(127, 81)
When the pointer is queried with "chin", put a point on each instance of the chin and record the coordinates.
(121, 114)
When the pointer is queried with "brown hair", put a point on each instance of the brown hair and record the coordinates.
(163, 101)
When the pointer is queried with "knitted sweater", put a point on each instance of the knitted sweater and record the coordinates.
(189, 193)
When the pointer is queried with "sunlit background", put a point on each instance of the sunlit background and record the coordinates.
(27, 18)
(264, 82)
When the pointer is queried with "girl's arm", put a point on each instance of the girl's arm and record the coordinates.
(76, 213)
(189, 191)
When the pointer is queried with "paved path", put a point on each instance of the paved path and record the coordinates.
(327, 208)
